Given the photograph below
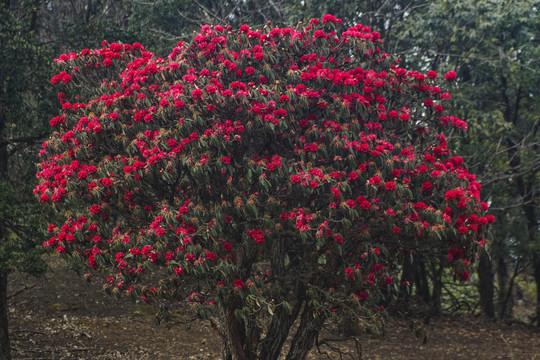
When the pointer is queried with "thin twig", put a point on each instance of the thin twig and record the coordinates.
(21, 290)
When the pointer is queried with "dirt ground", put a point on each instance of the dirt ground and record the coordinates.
(59, 316)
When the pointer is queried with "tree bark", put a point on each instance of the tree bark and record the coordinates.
(305, 335)
(435, 304)
(528, 190)
(420, 279)
(485, 285)
(536, 264)
(278, 331)
(5, 353)
(506, 300)
(234, 337)
(407, 276)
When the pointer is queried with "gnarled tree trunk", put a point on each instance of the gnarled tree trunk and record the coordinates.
(305, 336)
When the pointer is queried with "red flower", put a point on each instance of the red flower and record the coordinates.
(375, 180)
(311, 147)
(451, 75)
(427, 186)
(119, 257)
(226, 160)
(257, 236)
(284, 98)
(349, 272)
(92, 261)
(366, 205)
(197, 94)
(239, 284)
(319, 34)
(106, 182)
(295, 179)
(329, 18)
(183, 210)
(420, 206)
(95, 209)
(353, 176)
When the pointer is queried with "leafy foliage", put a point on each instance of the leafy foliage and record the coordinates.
(20, 105)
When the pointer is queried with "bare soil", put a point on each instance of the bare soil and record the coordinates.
(59, 316)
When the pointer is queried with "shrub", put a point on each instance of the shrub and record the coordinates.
(277, 175)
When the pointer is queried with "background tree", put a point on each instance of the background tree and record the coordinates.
(23, 105)
(275, 175)
(493, 47)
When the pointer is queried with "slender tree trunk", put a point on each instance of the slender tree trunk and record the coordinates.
(506, 300)
(407, 276)
(435, 304)
(421, 280)
(536, 264)
(529, 193)
(4, 334)
(485, 285)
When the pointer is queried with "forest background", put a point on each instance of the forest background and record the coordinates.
(493, 46)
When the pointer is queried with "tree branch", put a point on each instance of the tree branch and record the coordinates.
(24, 139)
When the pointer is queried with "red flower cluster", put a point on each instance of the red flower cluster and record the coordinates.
(301, 150)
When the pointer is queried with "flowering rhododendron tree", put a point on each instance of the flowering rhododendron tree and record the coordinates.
(275, 176)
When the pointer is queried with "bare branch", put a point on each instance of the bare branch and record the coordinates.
(24, 139)
(21, 290)
(202, 7)
(167, 36)
(195, 21)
